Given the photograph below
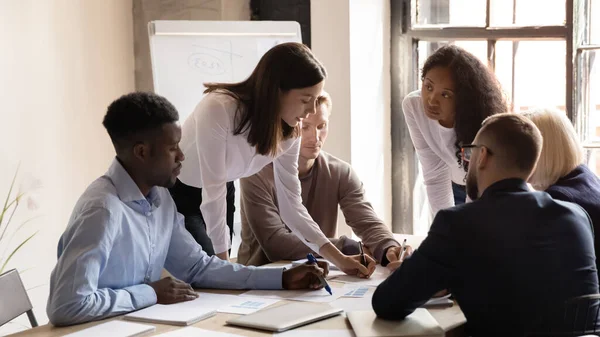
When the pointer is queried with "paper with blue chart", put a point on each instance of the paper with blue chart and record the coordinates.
(245, 306)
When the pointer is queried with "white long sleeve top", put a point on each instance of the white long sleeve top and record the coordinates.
(436, 151)
(214, 156)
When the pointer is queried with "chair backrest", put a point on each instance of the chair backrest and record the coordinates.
(581, 315)
(15, 301)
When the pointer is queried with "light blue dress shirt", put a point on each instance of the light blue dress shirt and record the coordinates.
(118, 241)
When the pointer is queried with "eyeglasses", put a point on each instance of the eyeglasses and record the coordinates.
(467, 150)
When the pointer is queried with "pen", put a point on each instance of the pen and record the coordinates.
(312, 259)
(402, 254)
(362, 254)
(403, 244)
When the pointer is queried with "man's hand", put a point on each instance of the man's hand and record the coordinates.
(395, 256)
(353, 266)
(367, 251)
(305, 276)
(223, 256)
(169, 290)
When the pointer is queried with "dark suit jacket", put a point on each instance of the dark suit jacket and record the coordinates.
(581, 186)
(510, 259)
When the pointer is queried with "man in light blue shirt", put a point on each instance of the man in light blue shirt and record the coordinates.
(125, 228)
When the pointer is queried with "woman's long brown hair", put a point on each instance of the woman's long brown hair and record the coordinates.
(284, 67)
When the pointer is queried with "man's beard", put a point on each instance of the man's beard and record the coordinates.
(472, 188)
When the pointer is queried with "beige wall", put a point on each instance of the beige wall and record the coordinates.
(62, 63)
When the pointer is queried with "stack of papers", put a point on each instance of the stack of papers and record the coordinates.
(115, 328)
(191, 331)
(205, 306)
(185, 313)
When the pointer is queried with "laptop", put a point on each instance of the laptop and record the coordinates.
(287, 316)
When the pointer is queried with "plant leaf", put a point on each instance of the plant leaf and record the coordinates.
(12, 185)
(16, 250)
(8, 222)
(35, 287)
(12, 236)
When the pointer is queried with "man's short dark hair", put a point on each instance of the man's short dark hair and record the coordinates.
(135, 113)
(515, 138)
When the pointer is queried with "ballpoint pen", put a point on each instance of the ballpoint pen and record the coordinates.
(312, 259)
(362, 254)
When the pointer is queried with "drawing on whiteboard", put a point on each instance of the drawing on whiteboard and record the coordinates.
(212, 61)
(207, 64)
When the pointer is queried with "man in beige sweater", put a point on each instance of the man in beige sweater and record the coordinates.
(326, 182)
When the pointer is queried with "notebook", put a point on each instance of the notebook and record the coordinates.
(287, 316)
(419, 323)
(116, 328)
(182, 314)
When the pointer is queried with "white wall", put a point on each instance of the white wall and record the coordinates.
(62, 63)
(352, 39)
(371, 100)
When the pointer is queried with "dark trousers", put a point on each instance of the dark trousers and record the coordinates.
(460, 194)
(188, 200)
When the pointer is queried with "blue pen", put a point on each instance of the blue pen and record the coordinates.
(312, 259)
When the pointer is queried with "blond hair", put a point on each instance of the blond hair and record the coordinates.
(561, 153)
(324, 98)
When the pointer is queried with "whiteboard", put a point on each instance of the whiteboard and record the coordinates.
(186, 54)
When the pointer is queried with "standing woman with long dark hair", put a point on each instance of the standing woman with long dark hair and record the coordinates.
(458, 92)
(236, 130)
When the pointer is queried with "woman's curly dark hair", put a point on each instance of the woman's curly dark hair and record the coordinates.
(477, 92)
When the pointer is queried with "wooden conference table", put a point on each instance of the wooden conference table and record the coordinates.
(451, 319)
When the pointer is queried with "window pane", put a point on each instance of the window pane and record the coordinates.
(536, 76)
(451, 12)
(594, 25)
(593, 160)
(587, 95)
(426, 48)
(527, 12)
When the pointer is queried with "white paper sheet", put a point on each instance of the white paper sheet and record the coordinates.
(298, 295)
(443, 301)
(116, 328)
(380, 274)
(196, 332)
(350, 304)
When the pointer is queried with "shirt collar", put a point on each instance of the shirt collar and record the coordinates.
(127, 189)
(506, 185)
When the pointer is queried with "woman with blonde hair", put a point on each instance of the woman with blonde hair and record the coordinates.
(561, 171)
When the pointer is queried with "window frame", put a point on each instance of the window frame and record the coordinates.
(406, 34)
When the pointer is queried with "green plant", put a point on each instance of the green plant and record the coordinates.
(8, 211)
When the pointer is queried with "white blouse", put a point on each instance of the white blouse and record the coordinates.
(436, 151)
(214, 156)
